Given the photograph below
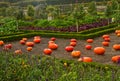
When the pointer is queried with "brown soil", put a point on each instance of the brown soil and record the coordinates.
(62, 43)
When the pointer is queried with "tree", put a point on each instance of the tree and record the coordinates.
(112, 10)
(20, 14)
(115, 5)
(115, 9)
(3, 11)
(52, 11)
(11, 11)
(40, 11)
(108, 11)
(30, 10)
(92, 10)
(78, 14)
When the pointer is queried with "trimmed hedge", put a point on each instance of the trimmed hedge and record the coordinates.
(17, 33)
(98, 29)
(59, 35)
(92, 33)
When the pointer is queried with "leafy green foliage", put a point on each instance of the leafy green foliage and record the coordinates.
(78, 12)
(20, 14)
(30, 11)
(60, 23)
(89, 19)
(24, 23)
(116, 10)
(53, 23)
(41, 23)
(40, 12)
(41, 68)
(108, 11)
(115, 5)
(51, 11)
(93, 33)
(113, 10)
(9, 25)
(11, 12)
(92, 10)
(2, 11)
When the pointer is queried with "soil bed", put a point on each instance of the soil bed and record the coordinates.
(62, 43)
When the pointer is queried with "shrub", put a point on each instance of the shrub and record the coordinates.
(24, 23)
(41, 23)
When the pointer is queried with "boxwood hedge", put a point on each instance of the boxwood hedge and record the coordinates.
(92, 33)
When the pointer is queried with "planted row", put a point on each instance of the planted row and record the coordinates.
(98, 29)
(59, 35)
(20, 67)
(69, 28)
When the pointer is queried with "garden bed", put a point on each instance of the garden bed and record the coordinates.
(95, 32)
(62, 43)
(62, 28)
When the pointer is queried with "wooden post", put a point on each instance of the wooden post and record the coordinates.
(77, 25)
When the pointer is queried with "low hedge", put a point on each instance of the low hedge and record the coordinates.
(9, 34)
(58, 35)
(92, 33)
(99, 33)
(16, 37)
(98, 29)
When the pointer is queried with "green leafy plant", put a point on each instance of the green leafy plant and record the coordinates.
(92, 10)
(24, 23)
(31, 10)
(9, 26)
(39, 67)
(78, 14)
(41, 23)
